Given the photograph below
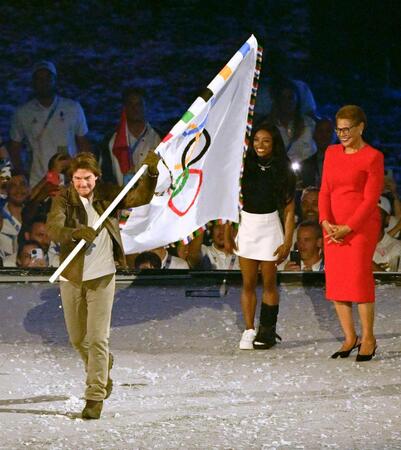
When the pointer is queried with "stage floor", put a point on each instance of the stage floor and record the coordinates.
(181, 381)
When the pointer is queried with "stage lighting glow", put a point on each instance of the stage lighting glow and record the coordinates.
(296, 166)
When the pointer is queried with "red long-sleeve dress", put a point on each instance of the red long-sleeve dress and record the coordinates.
(350, 190)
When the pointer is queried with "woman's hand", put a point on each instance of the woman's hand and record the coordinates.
(338, 233)
(330, 228)
(282, 253)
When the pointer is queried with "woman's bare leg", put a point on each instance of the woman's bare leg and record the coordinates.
(344, 313)
(249, 271)
(270, 291)
(367, 317)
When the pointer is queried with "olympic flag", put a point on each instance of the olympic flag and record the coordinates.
(201, 159)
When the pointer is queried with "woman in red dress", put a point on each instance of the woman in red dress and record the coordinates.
(352, 181)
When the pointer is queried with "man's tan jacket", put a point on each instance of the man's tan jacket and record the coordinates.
(68, 214)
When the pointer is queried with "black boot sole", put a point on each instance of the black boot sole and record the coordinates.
(263, 345)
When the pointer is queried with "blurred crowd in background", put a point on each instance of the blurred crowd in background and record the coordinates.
(48, 130)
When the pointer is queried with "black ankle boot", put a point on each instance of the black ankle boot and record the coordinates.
(266, 337)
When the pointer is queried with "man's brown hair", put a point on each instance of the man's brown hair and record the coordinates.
(87, 161)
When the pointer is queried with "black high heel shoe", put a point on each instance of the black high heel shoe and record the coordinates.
(346, 353)
(362, 358)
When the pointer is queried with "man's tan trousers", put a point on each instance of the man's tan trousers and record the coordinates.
(87, 312)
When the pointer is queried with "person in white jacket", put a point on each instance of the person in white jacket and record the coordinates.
(133, 138)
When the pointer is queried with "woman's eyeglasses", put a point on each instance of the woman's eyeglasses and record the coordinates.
(345, 130)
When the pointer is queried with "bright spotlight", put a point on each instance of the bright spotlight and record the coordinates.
(296, 166)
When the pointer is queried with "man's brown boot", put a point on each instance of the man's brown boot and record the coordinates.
(92, 409)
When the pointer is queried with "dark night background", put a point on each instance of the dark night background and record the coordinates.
(348, 52)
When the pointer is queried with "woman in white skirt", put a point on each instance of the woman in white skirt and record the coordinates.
(268, 186)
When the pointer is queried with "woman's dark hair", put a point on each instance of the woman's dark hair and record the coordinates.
(283, 175)
(277, 86)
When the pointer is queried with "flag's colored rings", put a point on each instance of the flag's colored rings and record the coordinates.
(180, 182)
(197, 129)
(202, 152)
(171, 205)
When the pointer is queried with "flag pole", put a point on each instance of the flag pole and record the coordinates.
(99, 222)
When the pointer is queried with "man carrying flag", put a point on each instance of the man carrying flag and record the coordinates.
(198, 182)
(88, 282)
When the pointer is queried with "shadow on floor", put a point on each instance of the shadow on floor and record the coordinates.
(39, 412)
(131, 307)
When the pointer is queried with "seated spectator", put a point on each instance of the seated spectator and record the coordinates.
(169, 261)
(214, 256)
(17, 195)
(48, 187)
(387, 255)
(323, 136)
(35, 231)
(309, 204)
(307, 209)
(309, 244)
(123, 153)
(47, 124)
(295, 128)
(30, 255)
(147, 260)
(5, 176)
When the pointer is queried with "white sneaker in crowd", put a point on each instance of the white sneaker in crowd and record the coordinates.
(247, 338)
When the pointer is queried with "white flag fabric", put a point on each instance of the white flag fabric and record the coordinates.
(199, 179)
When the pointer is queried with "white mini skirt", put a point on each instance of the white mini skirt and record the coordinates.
(259, 236)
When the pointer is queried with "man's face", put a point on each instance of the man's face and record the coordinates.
(26, 259)
(218, 236)
(39, 234)
(309, 206)
(84, 182)
(135, 108)
(308, 243)
(18, 190)
(44, 83)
